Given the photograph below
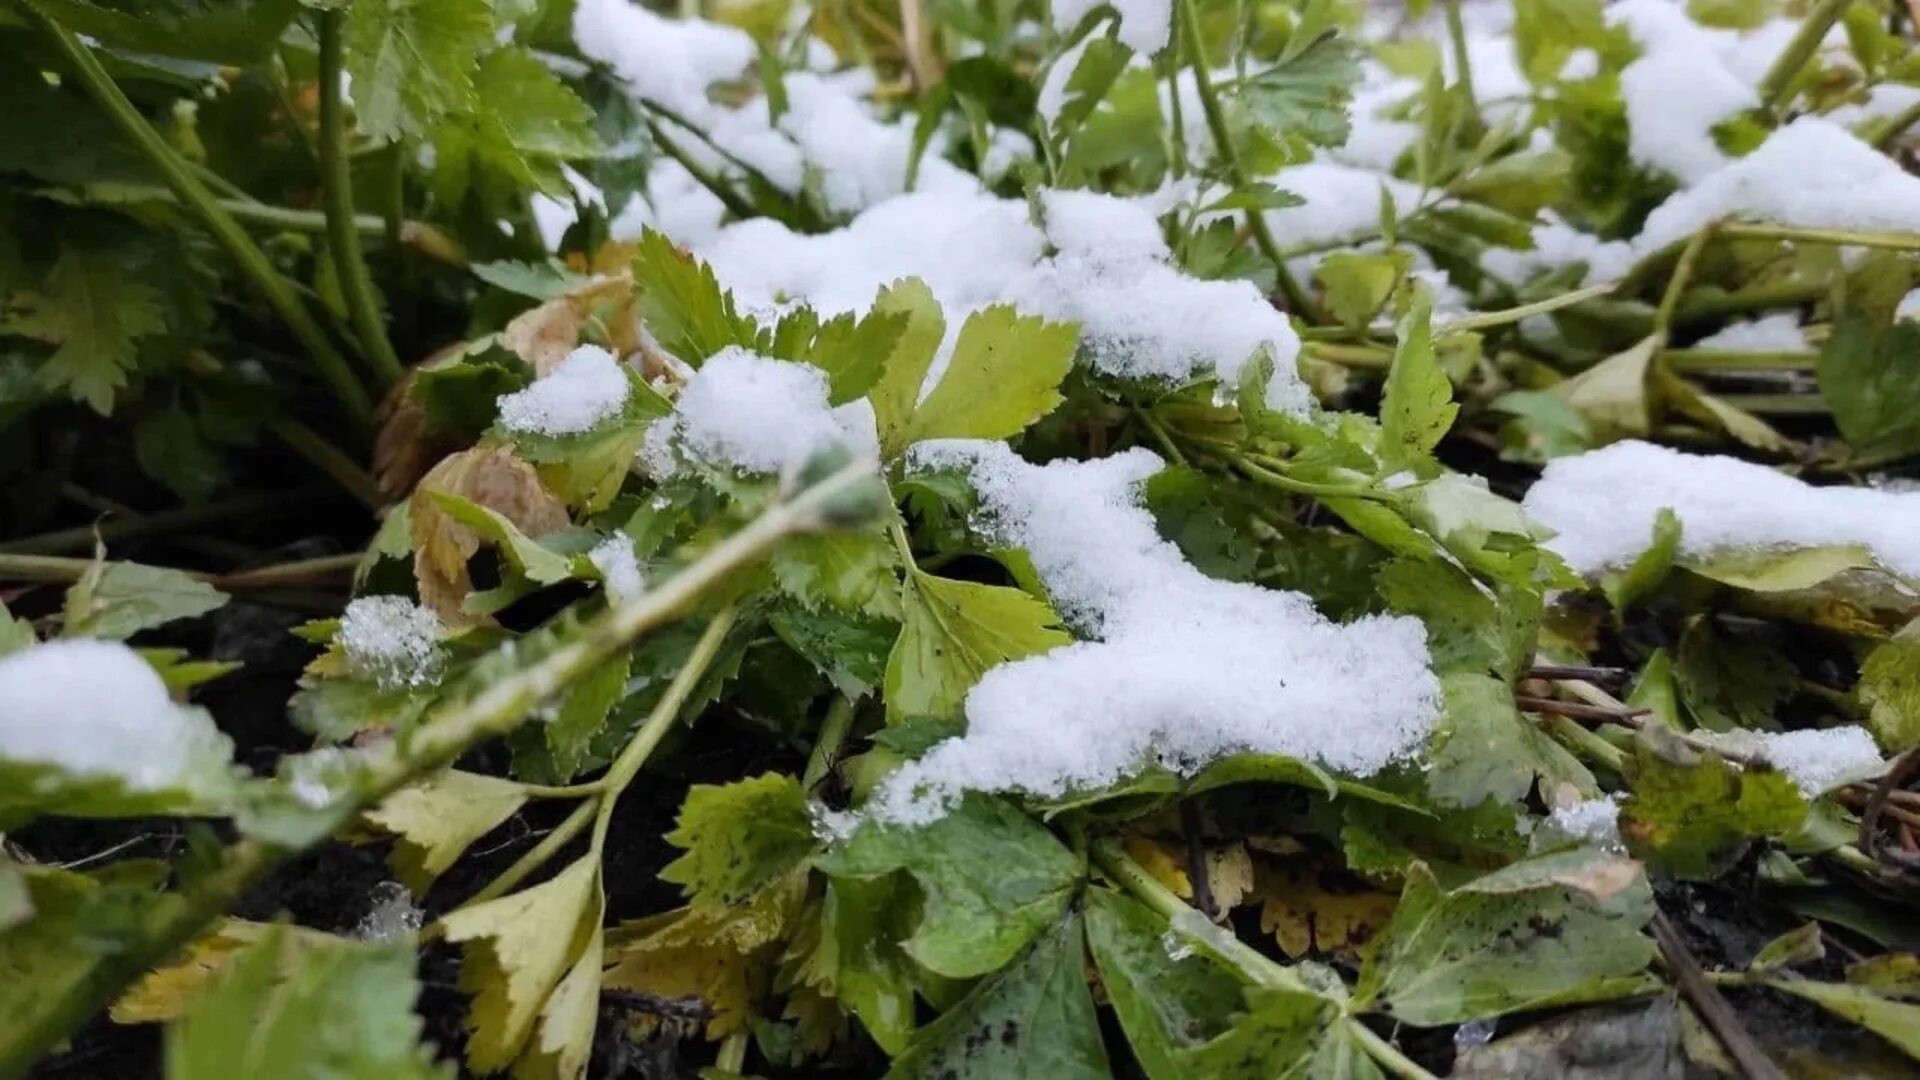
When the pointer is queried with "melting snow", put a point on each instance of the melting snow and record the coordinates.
(587, 387)
(391, 640)
(756, 414)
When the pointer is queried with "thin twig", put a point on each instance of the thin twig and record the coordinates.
(1577, 711)
(1897, 774)
(1197, 860)
(336, 188)
(1711, 1004)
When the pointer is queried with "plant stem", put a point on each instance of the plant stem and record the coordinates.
(728, 197)
(1753, 230)
(1114, 861)
(834, 728)
(1779, 404)
(323, 455)
(46, 1019)
(1487, 319)
(635, 753)
(1793, 59)
(1260, 474)
(336, 188)
(81, 538)
(535, 857)
(238, 245)
(1195, 43)
(1161, 435)
(733, 1054)
(299, 572)
(1729, 360)
(1462, 68)
(1677, 284)
(1779, 294)
(245, 211)
(1892, 129)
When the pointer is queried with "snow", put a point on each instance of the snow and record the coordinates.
(586, 388)
(756, 414)
(1581, 63)
(1557, 244)
(1772, 333)
(1909, 306)
(1145, 25)
(668, 61)
(1602, 504)
(1342, 203)
(1111, 272)
(1811, 173)
(1590, 821)
(95, 708)
(392, 916)
(391, 640)
(619, 569)
(1674, 99)
(1376, 141)
(1821, 760)
(1180, 668)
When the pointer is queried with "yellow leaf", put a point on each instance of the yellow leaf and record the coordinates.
(520, 947)
(165, 993)
(723, 956)
(1305, 913)
(564, 1042)
(1160, 861)
(1229, 875)
(437, 818)
(493, 478)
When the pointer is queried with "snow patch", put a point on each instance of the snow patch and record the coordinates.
(584, 389)
(756, 414)
(391, 640)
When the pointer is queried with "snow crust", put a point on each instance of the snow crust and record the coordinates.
(585, 388)
(1180, 668)
(95, 708)
(1820, 760)
(1779, 332)
(756, 414)
(1602, 504)
(391, 640)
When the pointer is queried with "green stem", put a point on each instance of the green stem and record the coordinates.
(81, 537)
(1365, 357)
(1889, 241)
(733, 1054)
(535, 857)
(1891, 130)
(1194, 39)
(721, 190)
(1463, 69)
(1114, 861)
(635, 753)
(1779, 404)
(299, 572)
(1487, 319)
(245, 211)
(1704, 307)
(834, 728)
(1162, 436)
(1793, 59)
(336, 188)
(238, 245)
(1585, 743)
(1677, 284)
(1699, 360)
(323, 455)
(1260, 473)
(46, 1019)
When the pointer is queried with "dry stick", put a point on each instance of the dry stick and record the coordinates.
(1556, 707)
(173, 920)
(1564, 671)
(1711, 1004)
(1897, 774)
(238, 245)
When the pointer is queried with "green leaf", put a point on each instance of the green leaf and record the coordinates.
(687, 311)
(1691, 813)
(974, 921)
(1612, 394)
(524, 123)
(739, 838)
(461, 394)
(529, 559)
(413, 61)
(1556, 928)
(851, 571)
(853, 353)
(1649, 568)
(1005, 374)
(1281, 1034)
(850, 651)
(117, 600)
(1167, 1007)
(1034, 1019)
(1302, 100)
(1895, 1021)
(1356, 285)
(897, 390)
(583, 715)
(1485, 750)
(1468, 630)
(1890, 689)
(75, 919)
(864, 922)
(547, 280)
(233, 32)
(1094, 71)
(95, 311)
(438, 818)
(1417, 406)
(345, 1012)
(1868, 379)
(952, 632)
(1729, 682)
(1543, 427)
